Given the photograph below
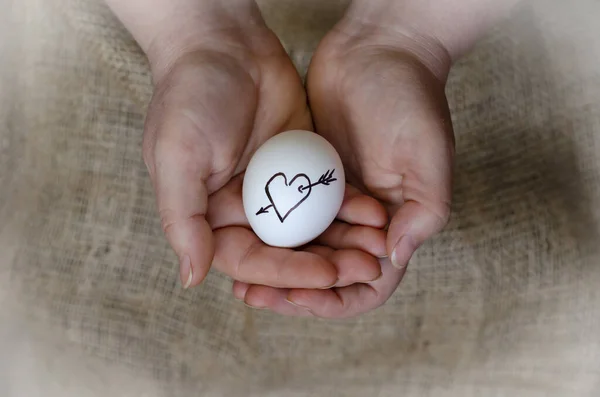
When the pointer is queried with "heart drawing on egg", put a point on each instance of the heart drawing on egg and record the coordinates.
(285, 197)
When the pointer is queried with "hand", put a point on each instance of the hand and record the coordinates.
(379, 98)
(380, 101)
(220, 93)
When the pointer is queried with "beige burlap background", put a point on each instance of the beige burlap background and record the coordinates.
(505, 302)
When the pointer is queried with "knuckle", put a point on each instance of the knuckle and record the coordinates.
(167, 220)
(342, 309)
(238, 270)
(172, 152)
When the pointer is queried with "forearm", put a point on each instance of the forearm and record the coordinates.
(455, 24)
(168, 26)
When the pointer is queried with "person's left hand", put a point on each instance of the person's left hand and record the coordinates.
(380, 101)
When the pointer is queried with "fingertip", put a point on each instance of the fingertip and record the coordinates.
(319, 270)
(192, 241)
(239, 290)
(403, 252)
(328, 272)
(360, 209)
(264, 297)
(355, 266)
(341, 235)
(410, 227)
(256, 298)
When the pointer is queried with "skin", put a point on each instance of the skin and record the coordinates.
(376, 92)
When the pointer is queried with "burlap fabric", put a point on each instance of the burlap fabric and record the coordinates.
(505, 302)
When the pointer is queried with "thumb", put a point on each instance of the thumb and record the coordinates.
(182, 197)
(426, 191)
(426, 181)
(412, 224)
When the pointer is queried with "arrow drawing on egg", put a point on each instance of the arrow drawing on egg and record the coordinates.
(285, 197)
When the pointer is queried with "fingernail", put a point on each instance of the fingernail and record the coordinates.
(332, 285)
(291, 302)
(254, 307)
(403, 251)
(185, 267)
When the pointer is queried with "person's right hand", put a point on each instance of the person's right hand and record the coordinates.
(216, 101)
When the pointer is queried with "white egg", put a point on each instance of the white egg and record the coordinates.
(293, 188)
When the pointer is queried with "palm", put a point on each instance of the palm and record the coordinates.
(227, 107)
(390, 118)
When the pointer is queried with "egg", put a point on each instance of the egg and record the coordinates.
(293, 188)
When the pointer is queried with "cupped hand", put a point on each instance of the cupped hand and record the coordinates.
(215, 103)
(379, 99)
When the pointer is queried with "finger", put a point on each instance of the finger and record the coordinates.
(239, 290)
(362, 218)
(344, 236)
(352, 300)
(426, 186)
(343, 302)
(226, 209)
(360, 209)
(263, 297)
(240, 254)
(353, 266)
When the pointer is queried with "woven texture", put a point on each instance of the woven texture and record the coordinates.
(505, 302)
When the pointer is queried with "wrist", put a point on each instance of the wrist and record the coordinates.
(384, 24)
(438, 32)
(168, 29)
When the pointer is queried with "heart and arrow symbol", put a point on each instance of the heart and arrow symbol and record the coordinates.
(285, 197)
